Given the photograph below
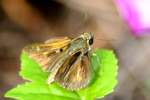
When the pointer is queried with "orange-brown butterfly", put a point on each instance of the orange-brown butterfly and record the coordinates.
(66, 59)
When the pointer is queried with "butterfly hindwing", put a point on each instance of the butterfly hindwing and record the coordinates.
(75, 72)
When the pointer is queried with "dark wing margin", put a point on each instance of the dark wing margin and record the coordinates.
(75, 73)
(45, 53)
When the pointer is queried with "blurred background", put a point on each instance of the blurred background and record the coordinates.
(26, 21)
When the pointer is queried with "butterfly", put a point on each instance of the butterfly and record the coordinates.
(67, 60)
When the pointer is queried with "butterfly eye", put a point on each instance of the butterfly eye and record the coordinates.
(61, 50)
(91, 41)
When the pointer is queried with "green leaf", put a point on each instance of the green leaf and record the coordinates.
(30, 70)
(41, 91)
(103, 63)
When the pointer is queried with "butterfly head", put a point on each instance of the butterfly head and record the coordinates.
(88, 36)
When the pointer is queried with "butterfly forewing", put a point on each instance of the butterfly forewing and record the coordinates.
(75, 72)
(45, 53)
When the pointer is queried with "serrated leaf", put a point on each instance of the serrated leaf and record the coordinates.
(104, 66)
(41, 91)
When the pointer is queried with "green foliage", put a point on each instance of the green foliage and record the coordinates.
(103, 63)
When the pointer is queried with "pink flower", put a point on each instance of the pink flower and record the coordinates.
(137, 15)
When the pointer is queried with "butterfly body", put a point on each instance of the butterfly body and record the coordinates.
(66, 59)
